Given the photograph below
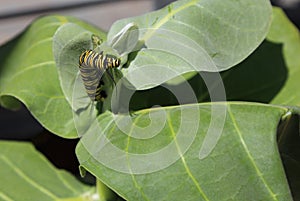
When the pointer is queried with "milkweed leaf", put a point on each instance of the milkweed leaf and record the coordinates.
(25, 170)
(143, 164)
(195, 35)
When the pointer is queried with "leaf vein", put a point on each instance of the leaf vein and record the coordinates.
(137, 186)
(66, 183)
(192, 28)
(42, 158)
(49, 39)
(165, 19)
(187, 169)
(31, 67)
(257, 170)
(28, 179)
(5, 197)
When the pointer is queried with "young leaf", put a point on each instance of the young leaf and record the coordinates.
(69, 41)
(126, 40)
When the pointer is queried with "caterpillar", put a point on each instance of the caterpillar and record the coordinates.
(92, 66)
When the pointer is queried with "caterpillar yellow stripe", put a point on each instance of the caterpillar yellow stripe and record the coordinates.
(92, 66)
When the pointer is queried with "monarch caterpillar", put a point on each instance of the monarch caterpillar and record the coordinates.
(92, 66)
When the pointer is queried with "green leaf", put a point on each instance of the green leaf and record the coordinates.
(27, 175)
(282, 31)
(28, 73)
(194, 35)
(157, 154)
(270, 73)
(259, 78)
(126, 40)
(69, 41)
(106, 193)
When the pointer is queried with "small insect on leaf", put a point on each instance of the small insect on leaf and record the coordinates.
(96, 41)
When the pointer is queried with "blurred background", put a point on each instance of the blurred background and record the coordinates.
(15, 15)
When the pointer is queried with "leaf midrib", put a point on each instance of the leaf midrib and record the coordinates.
(251, 159)
(5, 197)
(165, 19)
(137, 186)
(187, 169)
(28, 179)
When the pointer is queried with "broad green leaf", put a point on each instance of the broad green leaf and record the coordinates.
(28, 73)
(258, 78)
(160, 157)
(194, 35)
(269, 74)
(27, 175)
(282, 31)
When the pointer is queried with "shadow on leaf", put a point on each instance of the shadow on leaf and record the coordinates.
(259, 78)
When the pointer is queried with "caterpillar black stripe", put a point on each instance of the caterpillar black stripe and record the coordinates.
(92, 66)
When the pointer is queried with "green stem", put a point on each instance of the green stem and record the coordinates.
(105, 193)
